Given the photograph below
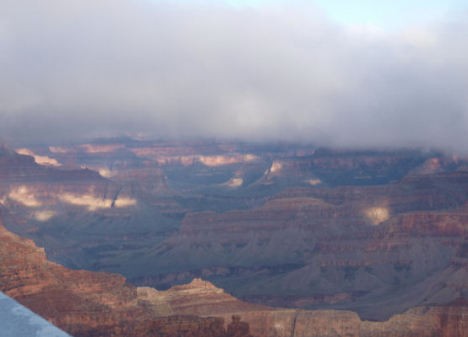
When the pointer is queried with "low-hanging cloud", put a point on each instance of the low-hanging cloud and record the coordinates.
(81, 68)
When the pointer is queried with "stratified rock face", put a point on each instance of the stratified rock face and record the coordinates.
(98, 304)
(198, 297)
(419, 322)
(377, 250)
(449, 321)
(374, 232)
(205, 299)
(86, 303)
(67, 298)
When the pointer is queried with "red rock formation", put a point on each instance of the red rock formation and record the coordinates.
(208, 300)
(198, 297)
(86, 303)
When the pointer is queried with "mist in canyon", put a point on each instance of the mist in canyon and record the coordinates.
(278, 71)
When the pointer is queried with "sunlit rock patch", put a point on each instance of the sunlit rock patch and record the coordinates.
(124, 202)
(377, 215)
(41, 160)
(235, 182)
(43, 216)
(93, 203)
(274, 170)
(166, 158)
(221, 160)
(91, 148)
(43, 202)
(276, 167)
(106, 173)
(314, 182)
(24, 196)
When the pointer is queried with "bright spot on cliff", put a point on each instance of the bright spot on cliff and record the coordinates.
(276, 167)
(90, 148)
(190, 159)
(93, 203)
(23, 196)
(314, 182)
(41, 160)
(279, 326)
(377, 215)
(125, 202)
(43, 216)
(106, 173)
(235, 182)
(214, 161)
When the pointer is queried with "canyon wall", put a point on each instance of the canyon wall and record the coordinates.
(100, 304)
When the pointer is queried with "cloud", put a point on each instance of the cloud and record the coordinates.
(85, 68)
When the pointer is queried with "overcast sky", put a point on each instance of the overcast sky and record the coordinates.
(279, 70)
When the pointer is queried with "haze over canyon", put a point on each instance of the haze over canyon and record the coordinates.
(280, 70)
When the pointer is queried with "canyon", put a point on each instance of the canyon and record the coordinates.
(313, 242)
(99, 304)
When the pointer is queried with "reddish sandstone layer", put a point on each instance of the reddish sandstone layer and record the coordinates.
(87, 303)
(446, 321)
(198, 297)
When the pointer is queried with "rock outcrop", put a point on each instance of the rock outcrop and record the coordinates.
(86, 303)
(447, 321)
(99, 304)
(198, 297)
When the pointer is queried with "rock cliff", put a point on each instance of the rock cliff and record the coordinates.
(87, 303)
(99, 304)
(376, 250)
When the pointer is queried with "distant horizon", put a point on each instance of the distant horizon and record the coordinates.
(194, 141)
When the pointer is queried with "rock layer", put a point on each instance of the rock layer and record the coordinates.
(86, 303)
(99, 304)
